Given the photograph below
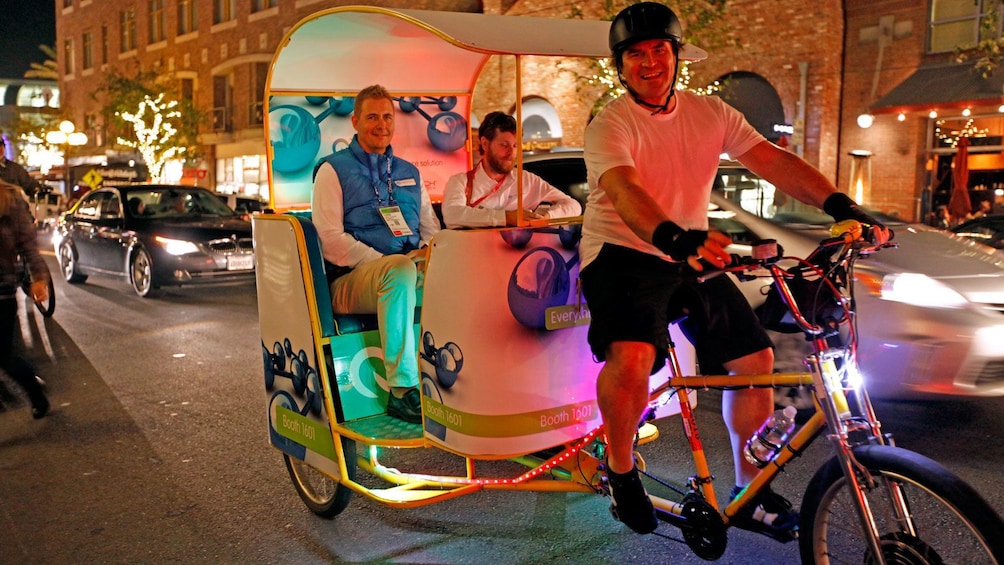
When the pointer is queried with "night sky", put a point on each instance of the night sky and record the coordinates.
(24, 25)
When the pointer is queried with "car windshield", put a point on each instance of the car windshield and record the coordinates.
(173, 202)
(759, 197)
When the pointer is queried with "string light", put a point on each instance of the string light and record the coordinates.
(952, 137)
(531, 474)
(607, 78)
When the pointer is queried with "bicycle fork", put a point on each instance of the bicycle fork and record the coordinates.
(832, 398)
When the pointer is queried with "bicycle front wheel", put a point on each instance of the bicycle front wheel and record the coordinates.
(949, 522)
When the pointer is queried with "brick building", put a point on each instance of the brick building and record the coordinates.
(823, 63)
(899, 68)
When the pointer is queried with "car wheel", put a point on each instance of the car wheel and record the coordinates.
(141, 273)
(68, 263)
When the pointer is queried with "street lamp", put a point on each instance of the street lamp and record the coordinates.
(66, 136)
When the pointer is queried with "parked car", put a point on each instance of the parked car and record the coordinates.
(988, 230)
(243, 205)
(929, 312)
(154, 236)
(47, 206)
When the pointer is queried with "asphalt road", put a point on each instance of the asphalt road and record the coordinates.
(156, 452)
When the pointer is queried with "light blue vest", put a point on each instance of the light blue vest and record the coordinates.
(371, 181)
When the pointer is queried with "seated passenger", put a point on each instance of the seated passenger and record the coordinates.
(136, 206)
(486, 196)
(374, 219)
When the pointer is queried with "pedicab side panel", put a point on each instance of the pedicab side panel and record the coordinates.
(297, 416)
(506, 368)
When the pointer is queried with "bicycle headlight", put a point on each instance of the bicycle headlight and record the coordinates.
(177, 246)
(920, 290)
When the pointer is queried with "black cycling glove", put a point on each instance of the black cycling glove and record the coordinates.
(841, 207)
(677, 242)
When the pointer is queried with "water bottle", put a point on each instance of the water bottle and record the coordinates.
(771, 437)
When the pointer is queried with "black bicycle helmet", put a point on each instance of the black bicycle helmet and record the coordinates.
(650, 20)
(645, 20)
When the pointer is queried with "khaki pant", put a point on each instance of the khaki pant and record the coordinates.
(385, 287)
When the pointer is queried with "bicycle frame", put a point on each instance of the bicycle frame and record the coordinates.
(832, 411)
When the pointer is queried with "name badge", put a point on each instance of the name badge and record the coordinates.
(394, 219)
(405, 182)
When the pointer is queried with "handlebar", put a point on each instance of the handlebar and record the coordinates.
(827, 270)
(854, 235)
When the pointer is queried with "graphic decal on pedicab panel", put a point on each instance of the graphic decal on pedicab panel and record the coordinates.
(296, 406)
(506, 367)
(357, 365)
(430, 132)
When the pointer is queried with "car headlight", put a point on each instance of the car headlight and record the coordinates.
(177, 246)
(920, 290)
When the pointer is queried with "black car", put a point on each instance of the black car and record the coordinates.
(245, 206)
(154, 235)
(988, 230)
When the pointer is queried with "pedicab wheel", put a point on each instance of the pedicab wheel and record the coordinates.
(949, 518)
(323, 495)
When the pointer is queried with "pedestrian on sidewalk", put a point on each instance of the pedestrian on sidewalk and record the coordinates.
(18, 236)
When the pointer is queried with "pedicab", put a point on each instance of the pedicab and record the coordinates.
(506, 372)
(501, 327)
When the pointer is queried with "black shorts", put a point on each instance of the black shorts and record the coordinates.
(634, 296)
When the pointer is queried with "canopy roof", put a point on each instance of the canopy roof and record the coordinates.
(345, 49)
(942, 85)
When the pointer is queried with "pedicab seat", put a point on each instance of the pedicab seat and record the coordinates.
(331, 324)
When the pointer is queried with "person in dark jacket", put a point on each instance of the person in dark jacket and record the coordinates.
(18, 237)
(14, 173)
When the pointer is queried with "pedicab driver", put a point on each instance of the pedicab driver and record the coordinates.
(375, 219)
(651, 156)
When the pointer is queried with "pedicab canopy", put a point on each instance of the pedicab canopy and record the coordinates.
(429, 61)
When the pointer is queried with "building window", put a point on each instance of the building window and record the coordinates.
(187, 17)
(955, 24)
(259, 5)
(88, 48)
(104, 45)
(67, 3)
(187, 90)
(68, 56)
(259, 74)
(127, 27)
(93, 129)
(224, 11)
(222, 103)
(157, 21)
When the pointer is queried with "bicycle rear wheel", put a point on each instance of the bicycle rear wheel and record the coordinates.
(323, 495)
(951, 522)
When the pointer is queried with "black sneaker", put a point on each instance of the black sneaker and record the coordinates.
(631, 504)
(39, 407)
(768, 513)
(407, 408)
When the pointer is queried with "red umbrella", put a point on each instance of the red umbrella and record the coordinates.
(959, 205)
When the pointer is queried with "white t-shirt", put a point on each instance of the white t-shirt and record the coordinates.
(676, 156)
(490, 199)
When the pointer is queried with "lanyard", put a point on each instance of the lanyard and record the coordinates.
(375, 177)
(470, 187)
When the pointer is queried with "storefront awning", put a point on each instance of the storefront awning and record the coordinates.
(955, 85)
